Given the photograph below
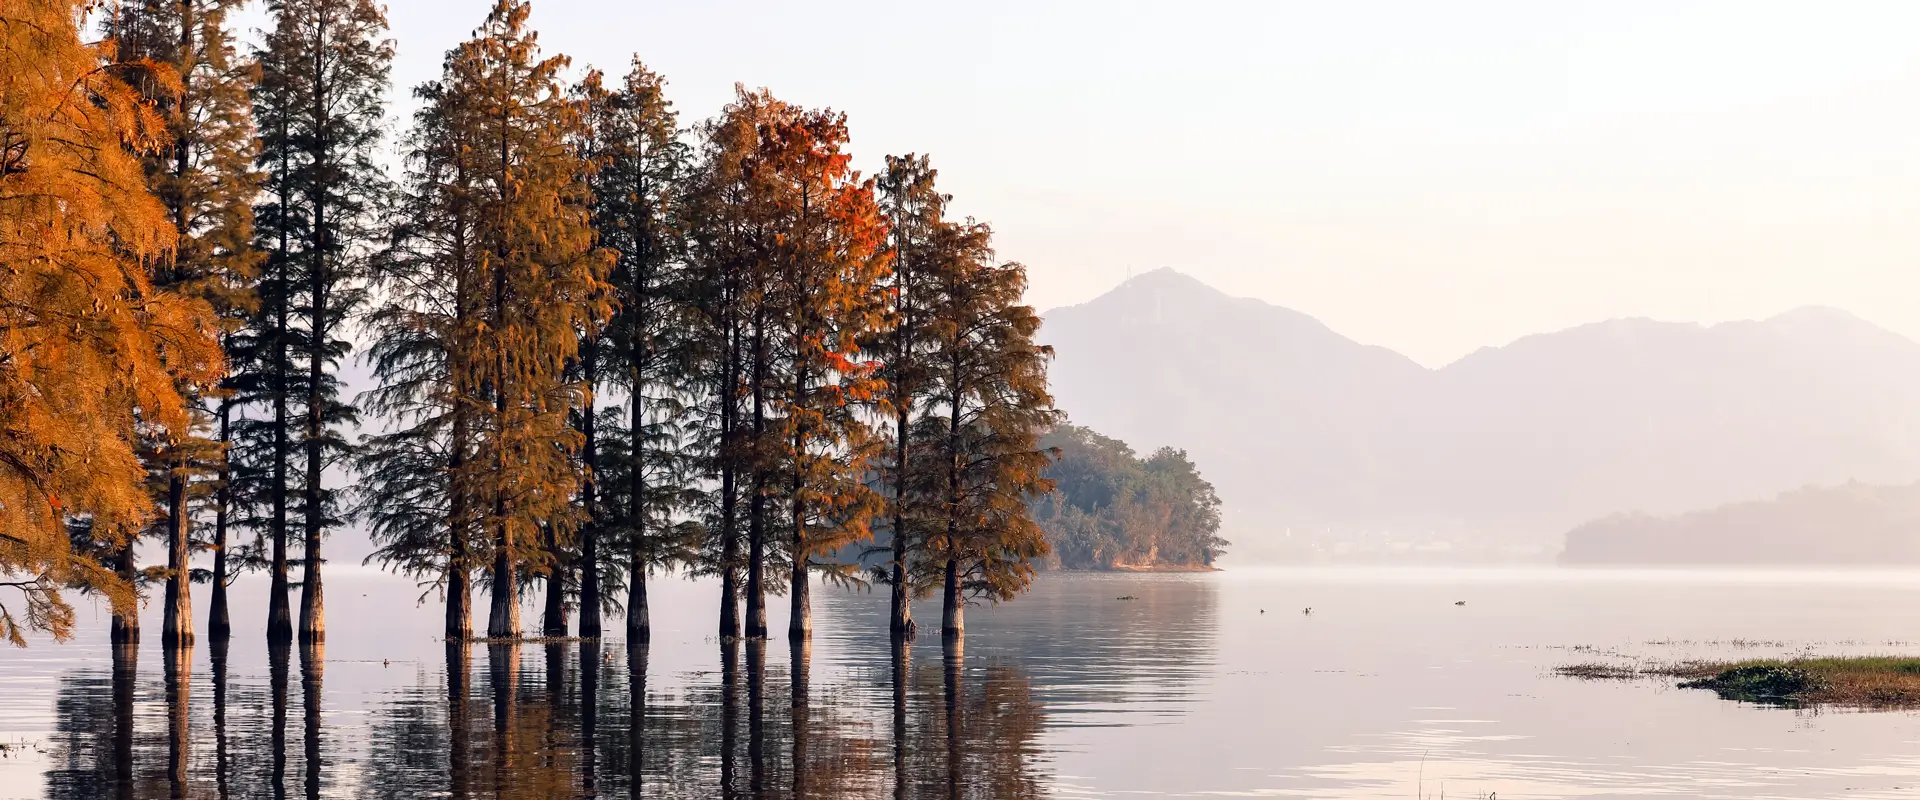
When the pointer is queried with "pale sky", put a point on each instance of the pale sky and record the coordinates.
(1430, 177)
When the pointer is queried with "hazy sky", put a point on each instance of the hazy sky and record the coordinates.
(1432, 177)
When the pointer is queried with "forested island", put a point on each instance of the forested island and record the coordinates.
(1112, 510)
(1854, 523)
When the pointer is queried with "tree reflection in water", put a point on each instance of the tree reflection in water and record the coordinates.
(549, 720)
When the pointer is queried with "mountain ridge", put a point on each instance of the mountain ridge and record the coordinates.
(1506, 447)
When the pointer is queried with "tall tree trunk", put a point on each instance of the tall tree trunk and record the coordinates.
(219, 623)
(800, 618)
(553, 618)
(901, 624)
(126, 624)
(176, 626)
(313, 624)
(503, 619)
(757, 504)
(639, 625)
(459, 558)
(953, 605)
(279, 620)
(729, 482)
(590, 498)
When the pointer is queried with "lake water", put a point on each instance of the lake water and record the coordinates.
(1207, 685)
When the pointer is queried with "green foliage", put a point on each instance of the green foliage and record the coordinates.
(1112, 509)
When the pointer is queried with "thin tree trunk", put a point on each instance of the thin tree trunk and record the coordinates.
(503, 619)
(459, 558)
(800, 618)
(590, 498)
(553, 618)
(901, 624)
(729, 481)
(219, 625)
(126, 624)
(639, 624)
(757, 521)
(279, 620)
(313, 623)
(953, 605)
(176, 627)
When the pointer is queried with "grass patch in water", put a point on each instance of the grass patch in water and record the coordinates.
(1865, 682)
(1856, 681)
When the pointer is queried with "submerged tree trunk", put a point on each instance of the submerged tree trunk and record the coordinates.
(590, 498)
(313, 624)
(639, 625)
(503, 619)
(176, 626)
(279, 617)
(953, 607)
(553, 618)
(219, 623)
(800, 618)
(459, 569)
(901, 624)
(729, 484)
(757, 523)
(126, 624)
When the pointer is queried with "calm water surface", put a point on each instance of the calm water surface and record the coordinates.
(1207, 685)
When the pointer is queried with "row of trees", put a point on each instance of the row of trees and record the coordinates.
(607, 345)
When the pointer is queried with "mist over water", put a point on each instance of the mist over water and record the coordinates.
(1205, 684)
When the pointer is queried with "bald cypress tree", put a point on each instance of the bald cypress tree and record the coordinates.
(981, 436)
(204, 178)
(826, 299)
(545, 283)
(915, 213)
(320, 104)
(422, 491)
(80, 315)
(638, 483)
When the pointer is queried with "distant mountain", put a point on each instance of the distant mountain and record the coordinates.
(1318, 443)
(1854, 523)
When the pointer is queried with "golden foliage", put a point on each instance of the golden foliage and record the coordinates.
(91, 353)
